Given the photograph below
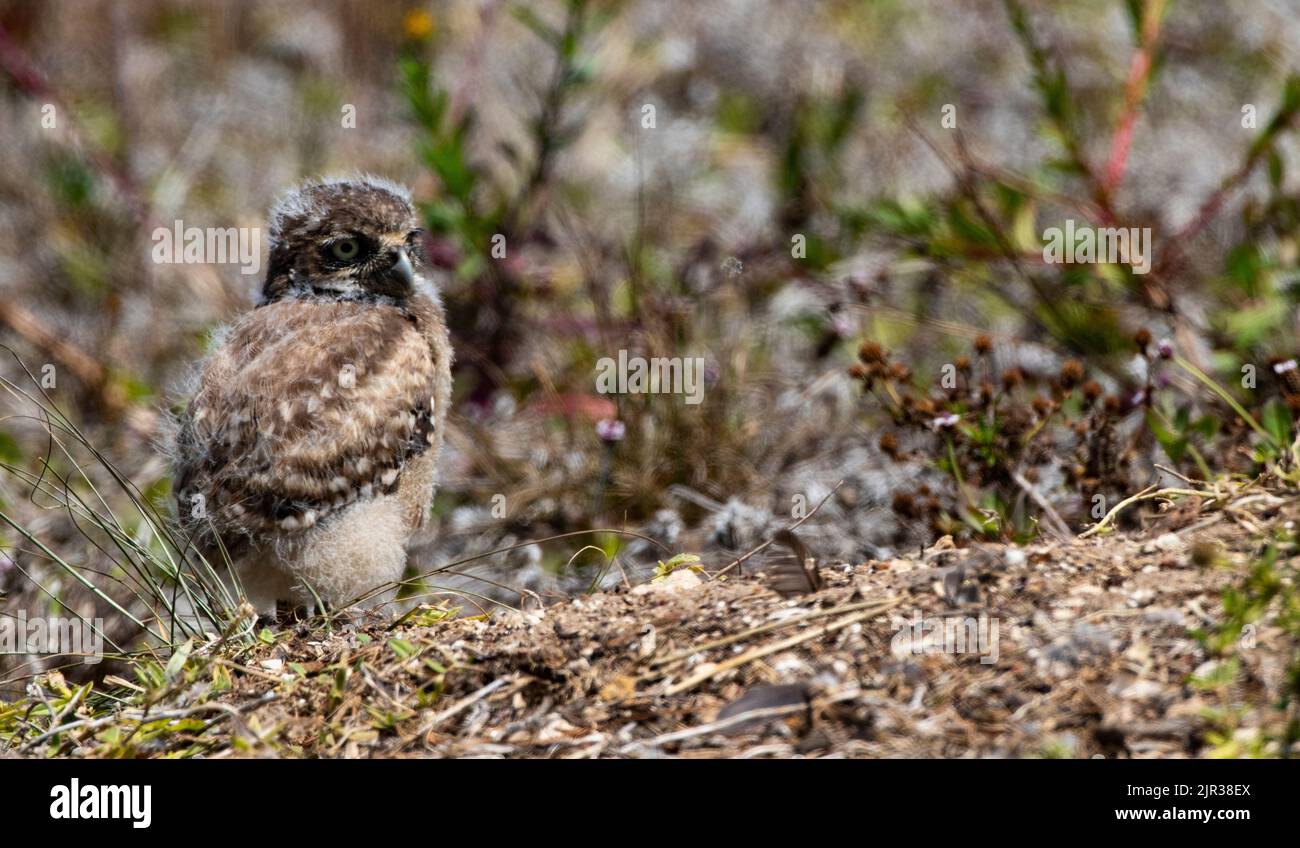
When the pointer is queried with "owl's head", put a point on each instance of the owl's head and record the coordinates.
(346, 239)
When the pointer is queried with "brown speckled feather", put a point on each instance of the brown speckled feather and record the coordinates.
(308, 406)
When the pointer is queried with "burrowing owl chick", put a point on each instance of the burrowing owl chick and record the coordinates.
(307, 455)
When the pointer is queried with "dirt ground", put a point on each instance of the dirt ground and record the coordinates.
(1075, 649)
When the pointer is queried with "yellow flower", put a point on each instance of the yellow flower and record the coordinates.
(418, 25)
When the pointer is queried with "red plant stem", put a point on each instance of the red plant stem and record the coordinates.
(1122, 141)
(1139, 75)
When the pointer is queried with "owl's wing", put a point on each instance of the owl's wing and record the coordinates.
(304, 409)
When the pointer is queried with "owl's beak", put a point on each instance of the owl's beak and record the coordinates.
(403, 271)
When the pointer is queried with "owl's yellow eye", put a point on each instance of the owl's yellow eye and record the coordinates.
(346, 249)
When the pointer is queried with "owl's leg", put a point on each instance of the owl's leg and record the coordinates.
(352, 553)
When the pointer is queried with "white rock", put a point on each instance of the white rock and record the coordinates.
(680, 581)
(1169, 542)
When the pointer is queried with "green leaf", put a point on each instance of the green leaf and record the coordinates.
(176, 664)
(1243, 266)
(10, 453)
(1249, 326)
(690, 561)
(1276, 169)
(1174, 445)
(1276, 419)
(905, 218)
(966, 226)
(402, 648)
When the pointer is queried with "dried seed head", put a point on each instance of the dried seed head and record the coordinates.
(889, 445)
(983, 344)
(963, 364)
(900, 372)
(1011, 378)
(1142, 338)
(1072, 374)
(871, 351)
(1091, 391)
(904, 505)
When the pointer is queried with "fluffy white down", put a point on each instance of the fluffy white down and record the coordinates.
(344, 557)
